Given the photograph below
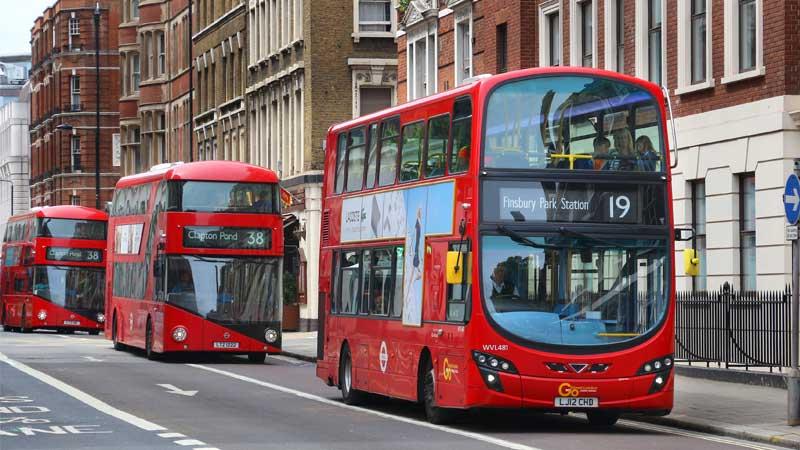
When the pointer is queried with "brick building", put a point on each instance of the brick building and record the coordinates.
(62, 106)
(154, 64)
(220, 52)
(299, 84)
(731, 68)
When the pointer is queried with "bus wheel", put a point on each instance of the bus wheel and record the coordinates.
(114, 337)
(22, 327)
(257, 357)
(148, 343)
(602, 418)
(94, 332)
(350, 395)
(435, 415)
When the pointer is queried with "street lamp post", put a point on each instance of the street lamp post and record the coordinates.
(97, 106)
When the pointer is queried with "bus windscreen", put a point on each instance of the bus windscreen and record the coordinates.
(224, 197)
(73, 288)
(94, 230)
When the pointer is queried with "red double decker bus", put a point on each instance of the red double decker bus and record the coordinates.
(195, 258)
(505, 244)
(53, 269)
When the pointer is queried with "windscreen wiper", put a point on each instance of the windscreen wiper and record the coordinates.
(577, 234)
(522, 240)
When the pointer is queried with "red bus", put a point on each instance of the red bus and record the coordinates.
(195, 260)
(52, 269)
(505, 244)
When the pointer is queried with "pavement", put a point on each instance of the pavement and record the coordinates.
(753, 413)
(72, 392)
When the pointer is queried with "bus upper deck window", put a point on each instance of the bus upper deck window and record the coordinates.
(461, 136)
(341, 152)
(438, 130)
(390, 132)
(411, 151)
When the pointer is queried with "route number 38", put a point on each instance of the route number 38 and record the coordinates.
(256, 239)
(619, 206)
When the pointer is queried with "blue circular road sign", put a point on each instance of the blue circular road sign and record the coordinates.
(791, 199)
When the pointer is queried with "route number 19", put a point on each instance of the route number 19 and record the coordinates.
(619, 206)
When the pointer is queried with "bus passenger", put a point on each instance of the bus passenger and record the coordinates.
(646, 154)
(601, 152)
(624, 159)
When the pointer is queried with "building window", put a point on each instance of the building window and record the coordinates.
(747, 225)
(74, 26)
(74, 200)
(747, 35)
(75, 153)
(550, 35)
(136, 75)
(422, 65)
(654, 41)
(463, 48)
(502, 48)
(699, 226)
(375, 16)
(587, 35)
(75, 92)
(162, 53)
(619, 34)
(698, 39)
(134, 9)
(372, 99)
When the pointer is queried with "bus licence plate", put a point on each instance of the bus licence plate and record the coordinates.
(576, 402)
(72, 322)
(226, 345)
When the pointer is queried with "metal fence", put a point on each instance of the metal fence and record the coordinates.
(729, 328)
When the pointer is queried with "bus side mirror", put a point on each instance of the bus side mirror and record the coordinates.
(456, 262)
(684, 234)
(691, 263)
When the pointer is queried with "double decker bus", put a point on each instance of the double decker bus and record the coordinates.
(53, 270)
(505, 244)
(195, 260)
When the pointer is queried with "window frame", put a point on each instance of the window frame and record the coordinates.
(501, 41)
(614, 31)
(744, 232)
(466, 301)
(703, 275)
(732, 35)
(75, 151)
(462, 71)
(642, 36)
(548, 45)
(453, 123)
(397, 149)
(74, 91)
(363, 308)
(421, 149)
(363, 129)
(430, 35)
(357, 34)
(74, 26)
(686, 84)
(577, 33)
(445, 152)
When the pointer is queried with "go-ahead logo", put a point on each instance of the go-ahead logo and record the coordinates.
(448, 370)
(568, 390)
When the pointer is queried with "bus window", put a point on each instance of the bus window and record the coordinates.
(647, 139)
(10, 258)
(390, 131)
(462, 128)
(381, 282)
(438, 133)
(355, 160)
(341, 152)
(397, 296)
(372, 157)
(72, 229)
(366, 276)
(457, 294)
(411, 151)
(349, 267)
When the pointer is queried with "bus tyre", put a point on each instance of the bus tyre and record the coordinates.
(148, 343)
(257, 357)
(435, 415)
(350, 395)
(94, 332)
(602, 418)
(114, 337)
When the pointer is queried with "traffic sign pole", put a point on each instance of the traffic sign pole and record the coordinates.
(791, 206)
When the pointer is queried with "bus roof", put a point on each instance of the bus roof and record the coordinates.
(489, 81)
(203, 171)
(62, 212)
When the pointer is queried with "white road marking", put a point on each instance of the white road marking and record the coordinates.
(189, 442)
(316, 398)
(172, 389)
(82, 396)
(171, 435)
(696, 435)
(93, 359)
(289, 359)
(206, 448)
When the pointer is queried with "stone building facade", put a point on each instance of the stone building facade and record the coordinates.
(155, 118)
(311, 65)
(14, 157)
(62, 104)
(731, 70)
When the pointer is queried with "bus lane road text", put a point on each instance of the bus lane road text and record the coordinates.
(20, 416)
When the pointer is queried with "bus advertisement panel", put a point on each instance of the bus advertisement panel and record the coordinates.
(195, 260)
(53, 264)
(505, 244)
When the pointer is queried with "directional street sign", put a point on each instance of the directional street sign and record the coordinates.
(791, 199)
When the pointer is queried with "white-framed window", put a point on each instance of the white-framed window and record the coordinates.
(650, 40)
(463, 47)
(134, 9)
(582, 33)
(550, 48)
(744, 40)
(74, 26)
(373, 18)
(75, 92)
(162, 53)
(694, 46)
(747, 232)
(75, 153)
(136, 74)
(615, 35)
(75, 200)
(423, 57)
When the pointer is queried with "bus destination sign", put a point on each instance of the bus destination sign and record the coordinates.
(573, 202)
(227, 238)
(74, 254)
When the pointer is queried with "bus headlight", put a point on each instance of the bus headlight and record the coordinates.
(271, 335)
(656, 365)
(101, 317)
(179, 334)
(42, 315)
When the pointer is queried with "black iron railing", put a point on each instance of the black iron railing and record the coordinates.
(729, 328)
